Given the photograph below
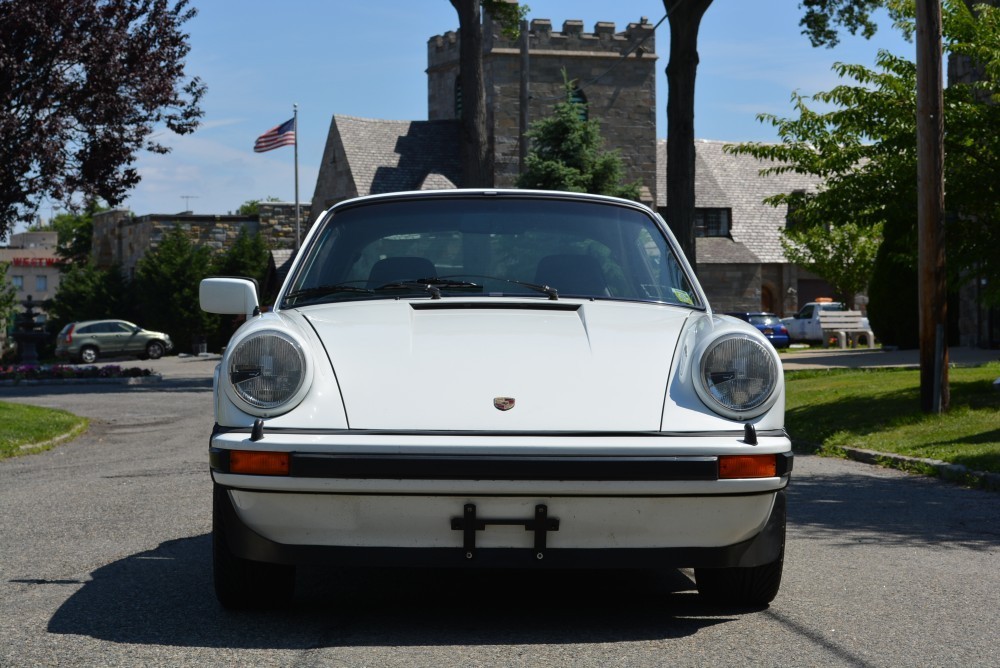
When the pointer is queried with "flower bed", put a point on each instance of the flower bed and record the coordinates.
(22, 372)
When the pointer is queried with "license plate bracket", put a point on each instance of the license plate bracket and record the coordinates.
(541, 524)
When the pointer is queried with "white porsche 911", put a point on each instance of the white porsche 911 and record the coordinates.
(494, 379)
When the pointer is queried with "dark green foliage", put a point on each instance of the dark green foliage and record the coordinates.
(76, 233)
(823, 17)
(246, 257)
(893, 304)
(88, 293)
(166, 284)
(566, 155)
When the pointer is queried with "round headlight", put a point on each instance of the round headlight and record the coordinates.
(267, 371)
(738, 376)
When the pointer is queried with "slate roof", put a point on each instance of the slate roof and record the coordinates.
(723, 180)
(389, 156)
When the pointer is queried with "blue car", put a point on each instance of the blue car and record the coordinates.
(769, 324)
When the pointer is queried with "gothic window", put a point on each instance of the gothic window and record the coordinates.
(580, 98)
(712, 222)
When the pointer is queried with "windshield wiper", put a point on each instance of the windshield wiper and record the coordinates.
(545, 289)
(326, 290)
(431, 285)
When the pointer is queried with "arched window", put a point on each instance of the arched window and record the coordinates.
(458, 97)
(579, 97)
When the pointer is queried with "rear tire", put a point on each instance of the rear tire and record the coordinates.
(241, 583)
(88, 354)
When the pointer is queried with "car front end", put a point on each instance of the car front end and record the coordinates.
(476, 419)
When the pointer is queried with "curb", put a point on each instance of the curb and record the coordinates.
(955, 473)
(136, 380)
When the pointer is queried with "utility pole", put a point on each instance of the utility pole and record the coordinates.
(524, 95)
(934, 392)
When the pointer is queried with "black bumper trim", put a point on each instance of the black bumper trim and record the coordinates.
(764, 548)
(485, 467)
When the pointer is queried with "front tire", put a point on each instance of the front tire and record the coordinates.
(242, 583)
(748, 585)
(154, 350)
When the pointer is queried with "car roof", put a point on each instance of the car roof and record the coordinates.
(83, 323)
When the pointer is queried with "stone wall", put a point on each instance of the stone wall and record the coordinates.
(120, 238)
(620, 91)
(731, 287)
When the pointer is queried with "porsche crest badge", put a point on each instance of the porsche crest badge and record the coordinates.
(503, 403)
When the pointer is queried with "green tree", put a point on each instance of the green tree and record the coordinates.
(167, 280)
(843, 255)
(865, 149)
(84, 87)
(76, 235)
(8, 299)
(246, 257)
(86, 292)
(566, 154)
(251, 207)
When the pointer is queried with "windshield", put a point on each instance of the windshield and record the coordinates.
(488, 246)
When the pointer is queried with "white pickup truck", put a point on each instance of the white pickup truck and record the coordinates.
(805, 326)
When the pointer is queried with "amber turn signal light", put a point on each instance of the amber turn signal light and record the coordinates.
(748, 466)
(259, 463)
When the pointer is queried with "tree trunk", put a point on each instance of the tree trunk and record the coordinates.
(685, 19)
(474, 155)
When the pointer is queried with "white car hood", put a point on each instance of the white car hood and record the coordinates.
(439, 365)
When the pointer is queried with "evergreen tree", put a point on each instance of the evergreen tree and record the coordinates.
(89, 293)
(246, 257)
(566, 154)
(166, 283)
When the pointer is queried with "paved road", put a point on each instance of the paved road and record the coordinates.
(104, 561)
(863, 358)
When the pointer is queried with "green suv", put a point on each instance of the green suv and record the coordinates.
(87, 340)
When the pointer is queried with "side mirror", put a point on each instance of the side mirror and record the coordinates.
(230, 296)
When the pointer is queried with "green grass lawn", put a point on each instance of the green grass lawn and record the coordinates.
(880, 410)
(22, 425)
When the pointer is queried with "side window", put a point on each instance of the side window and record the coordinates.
(712, 222)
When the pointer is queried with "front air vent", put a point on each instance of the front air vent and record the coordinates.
(493, 306)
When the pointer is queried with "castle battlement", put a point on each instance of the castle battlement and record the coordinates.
(604, 40)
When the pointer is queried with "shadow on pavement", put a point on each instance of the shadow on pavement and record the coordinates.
(164, 596)
(894, 509)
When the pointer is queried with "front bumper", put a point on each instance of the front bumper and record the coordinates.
(501, 500)
(765, 546)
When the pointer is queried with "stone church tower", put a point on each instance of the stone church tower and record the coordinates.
(614, 73)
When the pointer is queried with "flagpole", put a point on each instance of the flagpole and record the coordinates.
(297, 215)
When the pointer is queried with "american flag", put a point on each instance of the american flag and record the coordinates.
(276, 137)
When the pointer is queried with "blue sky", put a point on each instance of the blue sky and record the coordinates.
(368, 59)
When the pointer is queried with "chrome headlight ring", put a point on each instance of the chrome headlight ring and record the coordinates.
(737, 376)
(267, 372)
